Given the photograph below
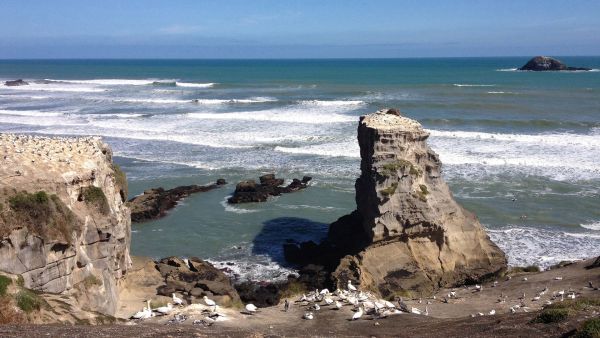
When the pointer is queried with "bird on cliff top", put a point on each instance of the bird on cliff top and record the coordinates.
(308, 315)
(350, 286)
(286, 305)
(176, 300)
(164, 309)
(358, 313)
(338, 305)
(251, 308)
(210, 303)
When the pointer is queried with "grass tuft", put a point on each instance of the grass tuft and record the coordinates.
(91, 280)
(121, 179)
(530, 268)
(389, 190)
(589, 329)
(28, 301)
(293, 288)
(5, 282)
(548, 316)
(95, 196)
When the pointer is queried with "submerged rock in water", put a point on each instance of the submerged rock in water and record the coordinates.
(544, 63)
(15, 83)
(154, 203)
(407, 233)
(249, 191)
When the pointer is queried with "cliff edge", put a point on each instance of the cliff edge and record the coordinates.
(64, 226)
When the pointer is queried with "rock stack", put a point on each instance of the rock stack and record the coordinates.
(408, 232)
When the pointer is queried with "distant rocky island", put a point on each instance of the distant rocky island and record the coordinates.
(544, 63)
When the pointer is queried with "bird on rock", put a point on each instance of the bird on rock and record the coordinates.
(251, 308)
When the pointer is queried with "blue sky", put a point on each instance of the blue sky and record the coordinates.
(296, 29)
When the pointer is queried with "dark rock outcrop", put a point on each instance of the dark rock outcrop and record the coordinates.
(154, 203)
(249, 191)
(195, 278)
(544, 63)
(15, 83)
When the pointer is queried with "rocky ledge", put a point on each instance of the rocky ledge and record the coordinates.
(544, 63)
(154, 203)
(408, 232)
(64, 227)
(249, 191)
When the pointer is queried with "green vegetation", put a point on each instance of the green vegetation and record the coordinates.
(589, 329)
(4, 283)
(91, 280)
(390, 169)
(423, 188)
(28, 301)
(121, 180)
(95, 196)
(42, 214)
(530, 268)
(389, 190)
(293, 288)
(575, 305)
(399, 294)
(548, 316)
(20, 281)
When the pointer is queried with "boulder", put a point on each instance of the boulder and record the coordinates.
(154, 203)
(250, 191)
(14, 83)
(195, 278)
(544, 63)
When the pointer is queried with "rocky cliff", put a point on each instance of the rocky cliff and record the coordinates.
(408, 232)
(63, 223)
(544, 63)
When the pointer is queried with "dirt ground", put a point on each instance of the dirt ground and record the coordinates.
(451, 319)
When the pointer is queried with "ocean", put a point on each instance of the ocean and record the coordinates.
(520, 149)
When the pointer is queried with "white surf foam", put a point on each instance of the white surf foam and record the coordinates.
(30, 113)
(277, 115)
(331, 103)
(55, 87)
(232, 101)
(507, 70)
(238, 210)
(592, 226)
(562, 139)
(195, 85)
(334, 149)
(159, 101)
(473, 85)
(501, 92)
(112, 82)
(544, 247)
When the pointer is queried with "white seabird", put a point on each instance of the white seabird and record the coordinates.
(177, 300)
(308, 315)
(350, 286)
(164, 309)
(251, 308)
(358, 313)
(210, 302)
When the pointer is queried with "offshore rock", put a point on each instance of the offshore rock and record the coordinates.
(544, 63)
(408, 232)
(63, 224)
(154, 203)
(15, 83)
(249, 191)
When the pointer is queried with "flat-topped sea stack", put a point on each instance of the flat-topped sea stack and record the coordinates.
(415, 235)
(64, 227)
(544, 63)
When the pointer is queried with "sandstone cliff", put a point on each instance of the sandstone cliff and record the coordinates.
(419, 238)
(408, 232)
(63, 223)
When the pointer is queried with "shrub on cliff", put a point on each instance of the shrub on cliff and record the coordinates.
(121, 180)
(28, 301)
(589, 329)
(95, 196)
(548, 316)
(4, 283)
(43, 214)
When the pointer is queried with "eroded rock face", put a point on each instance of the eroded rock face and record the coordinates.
(544, 63)
(89, 251)
(417, 236)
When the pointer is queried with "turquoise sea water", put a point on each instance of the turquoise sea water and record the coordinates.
(501, 134)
